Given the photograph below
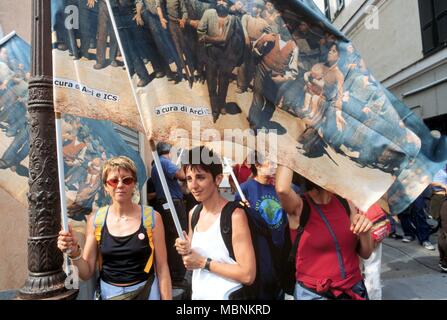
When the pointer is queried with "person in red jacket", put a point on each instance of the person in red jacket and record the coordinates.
(327, 259)
(242, 172)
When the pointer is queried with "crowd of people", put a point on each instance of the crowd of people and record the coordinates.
(330, 244)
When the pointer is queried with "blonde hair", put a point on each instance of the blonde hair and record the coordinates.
(116, 163)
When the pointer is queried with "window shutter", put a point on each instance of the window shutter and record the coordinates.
(440, 7)
(427, 25)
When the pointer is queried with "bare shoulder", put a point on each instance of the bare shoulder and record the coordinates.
(157, 216)
(158, 221)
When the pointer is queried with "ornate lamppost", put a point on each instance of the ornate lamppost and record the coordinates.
(45, 274)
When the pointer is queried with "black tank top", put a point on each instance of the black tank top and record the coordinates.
(124, 258)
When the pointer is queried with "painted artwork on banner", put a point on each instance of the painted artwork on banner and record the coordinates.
(87, 143)
(257, 73)
(88, 68)
(14, 137)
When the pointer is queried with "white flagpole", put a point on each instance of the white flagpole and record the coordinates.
(61, 178)
(238, 187)
(164, 184)
(154, 152)
(179, 159)
(60, 171)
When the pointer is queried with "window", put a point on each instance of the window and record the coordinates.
(433, 15)
(333, 8)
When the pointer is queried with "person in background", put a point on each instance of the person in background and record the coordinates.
(262, 198)
(372, 265)
(393, 234)
(439, 211)
(439, 192)
(151, 193)
(242, 172)
(414, 222)
(442, 239)
(173, 174)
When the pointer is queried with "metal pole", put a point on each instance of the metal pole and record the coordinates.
(45, 275)
(236, 183)
(164, 184)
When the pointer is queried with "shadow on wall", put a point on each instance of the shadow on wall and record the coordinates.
(13, 239)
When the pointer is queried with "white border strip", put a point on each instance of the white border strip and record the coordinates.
(7, 37)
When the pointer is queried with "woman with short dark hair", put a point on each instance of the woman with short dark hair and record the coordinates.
(216, 274)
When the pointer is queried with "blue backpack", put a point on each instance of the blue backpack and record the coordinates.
(267, 282)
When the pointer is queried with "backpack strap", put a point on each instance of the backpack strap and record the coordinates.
(226, 228)
(148, 223)
(98, 223)
(195, 216)
(305, 214)
(345, 204)
(341, 264)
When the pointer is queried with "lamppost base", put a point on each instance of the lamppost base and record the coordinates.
(64, 295)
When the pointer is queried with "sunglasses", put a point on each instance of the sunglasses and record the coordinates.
(114, 182)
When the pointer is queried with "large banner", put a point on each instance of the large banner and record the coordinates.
(274, 76)
(86, 142)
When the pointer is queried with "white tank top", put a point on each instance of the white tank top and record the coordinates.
(207, 285)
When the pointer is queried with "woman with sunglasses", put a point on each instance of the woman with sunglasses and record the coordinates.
(125, 239)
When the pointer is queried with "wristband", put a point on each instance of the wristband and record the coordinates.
(78, 256)
(207, 264)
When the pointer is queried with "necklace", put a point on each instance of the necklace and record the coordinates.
(122, 218)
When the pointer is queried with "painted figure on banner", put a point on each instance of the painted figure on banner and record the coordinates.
(13, 97)
(223, 37)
